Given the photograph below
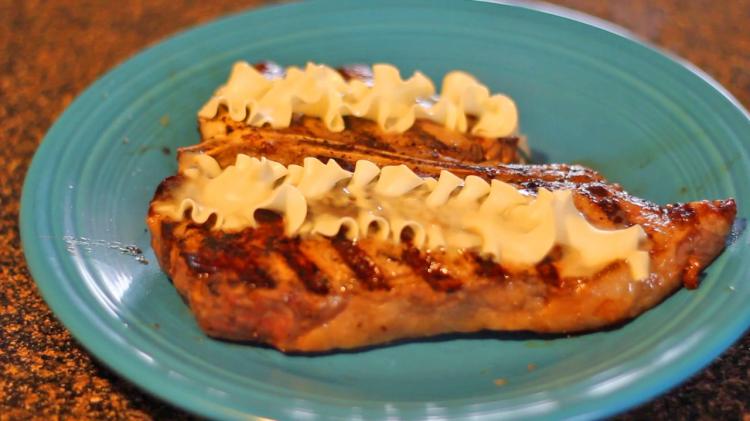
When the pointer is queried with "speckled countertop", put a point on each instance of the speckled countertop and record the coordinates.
(50, 51)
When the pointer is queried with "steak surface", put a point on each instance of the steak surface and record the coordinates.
(425, 139)
(316, 293)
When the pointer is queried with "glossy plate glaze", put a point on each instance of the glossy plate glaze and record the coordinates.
(585, 95)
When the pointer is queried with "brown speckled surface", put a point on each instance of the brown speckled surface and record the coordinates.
(50, 51)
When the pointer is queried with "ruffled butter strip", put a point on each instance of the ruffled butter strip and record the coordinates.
(393, 103)
(495, 218)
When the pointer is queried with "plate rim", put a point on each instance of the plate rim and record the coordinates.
(116, 357)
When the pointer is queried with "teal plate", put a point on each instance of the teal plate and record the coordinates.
(586, 94)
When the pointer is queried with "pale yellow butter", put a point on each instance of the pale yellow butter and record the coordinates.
(393, 103)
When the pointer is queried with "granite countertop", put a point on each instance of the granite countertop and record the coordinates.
(50, 51)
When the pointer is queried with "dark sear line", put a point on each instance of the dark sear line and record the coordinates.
(435, 274)
(363, 137)
(248, 256)
(508, 173)
(347, 165)
(430, 141)
(488, 268)
(547, 271)
(257, 277)
(233, 253)
(307, 272)
(360, 263)
(601, 198)
(167, 231)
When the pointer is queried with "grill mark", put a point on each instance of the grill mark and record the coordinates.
(548, 272)
(435, 274)
(475, 153)
(168, 237)
(610, 207)
(334, 146)
(360, 134)
(488, 268)
(347, 165)
(548, 174)
(430, 141)
(231, 252)
(307, 272)
(415, 164)
(601, 197)
(597, 190)
(681, 213)
(165, 188)
(368, 140)
(360, 263)
(256, 277)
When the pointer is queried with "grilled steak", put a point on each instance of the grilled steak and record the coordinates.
(316, 293)
(425, 139)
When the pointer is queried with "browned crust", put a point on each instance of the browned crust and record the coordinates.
(318, 293)
(334, 299)
(425, 139)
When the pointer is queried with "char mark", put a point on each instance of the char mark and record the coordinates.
(360, 263)
(168, 237)
(166, 187)
(548, 272)
(681, 213)
(430, 141)
(307, 272)
(347, 165)
(435, 274)
(230, 252)
(601, 197)
(416, 164)
(361, 134)
(488, 268)
(256, 277)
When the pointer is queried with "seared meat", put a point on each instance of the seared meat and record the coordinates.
(316, 293)
(292, 148)
(425, 139)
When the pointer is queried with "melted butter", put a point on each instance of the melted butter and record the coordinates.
(515, 229)
(393, 103)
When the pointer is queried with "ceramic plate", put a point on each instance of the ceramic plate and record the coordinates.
(585, 94)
